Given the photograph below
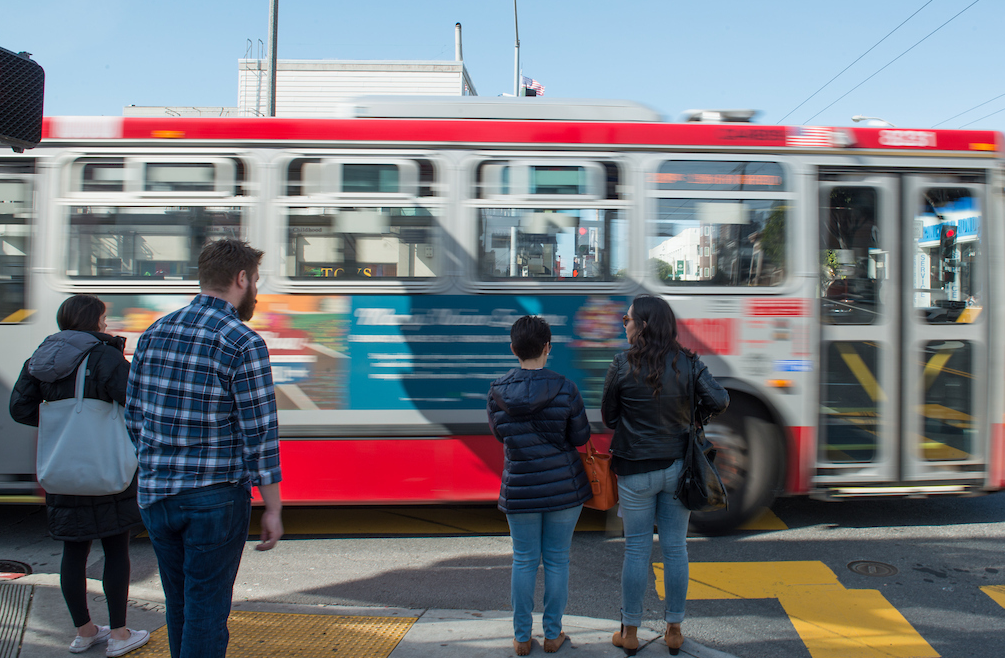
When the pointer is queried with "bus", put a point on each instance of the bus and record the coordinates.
(842, 283)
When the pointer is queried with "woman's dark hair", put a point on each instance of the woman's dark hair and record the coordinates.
(656, 338)
(80, 313)
(529, 335)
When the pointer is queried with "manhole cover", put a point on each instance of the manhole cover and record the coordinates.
(10, 569)
(870, 568)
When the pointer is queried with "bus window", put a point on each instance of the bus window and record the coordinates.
(15, 214)
(360, 178)
(361, 243)
(145, 242)
(950, 424)
(566, 244)
(152, 176)
(103, 176)
(744, 244)
(531, 178)
(852, 265)
(948, 256)
(714, 226)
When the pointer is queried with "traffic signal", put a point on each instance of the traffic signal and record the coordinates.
(947, 242)
(22, 82)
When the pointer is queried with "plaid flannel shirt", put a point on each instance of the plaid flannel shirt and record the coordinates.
(200, 404)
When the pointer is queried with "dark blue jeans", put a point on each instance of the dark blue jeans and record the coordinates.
(198, 536)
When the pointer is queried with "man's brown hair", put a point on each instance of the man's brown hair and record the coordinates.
(222, 260)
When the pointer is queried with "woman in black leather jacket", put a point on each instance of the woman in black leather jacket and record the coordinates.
(50, 374)
(647, 401)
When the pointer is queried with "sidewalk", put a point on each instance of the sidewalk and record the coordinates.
(277, 629)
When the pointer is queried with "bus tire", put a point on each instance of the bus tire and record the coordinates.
(750, 461)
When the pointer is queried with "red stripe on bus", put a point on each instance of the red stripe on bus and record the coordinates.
(456, 469)
(404, 131)
(802, 457)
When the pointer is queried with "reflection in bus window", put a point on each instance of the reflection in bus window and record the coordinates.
(15, 227)
(947, 376)
(947, 257)
(852, 264)
(520, 243)
(361, 243)
(145, 243)
(718, 242)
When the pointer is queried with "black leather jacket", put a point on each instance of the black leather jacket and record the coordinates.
(657, 427)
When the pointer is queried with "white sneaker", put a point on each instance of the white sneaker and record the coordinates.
(135, 640)
(81, 644)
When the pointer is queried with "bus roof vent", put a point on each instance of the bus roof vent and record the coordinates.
(481, 107)
(720, 116)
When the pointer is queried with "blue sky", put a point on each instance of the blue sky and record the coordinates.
(672, 55)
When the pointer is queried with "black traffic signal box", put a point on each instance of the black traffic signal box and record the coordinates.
(22, 82)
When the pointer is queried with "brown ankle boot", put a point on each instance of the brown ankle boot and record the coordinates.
(521, 648)
(674, 639)
(553, 645)
(627, 639)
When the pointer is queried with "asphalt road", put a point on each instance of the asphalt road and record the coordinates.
(786, 591)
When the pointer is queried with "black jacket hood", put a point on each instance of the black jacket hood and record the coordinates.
(523, 392)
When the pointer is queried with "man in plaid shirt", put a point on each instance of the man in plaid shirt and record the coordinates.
(201, 408)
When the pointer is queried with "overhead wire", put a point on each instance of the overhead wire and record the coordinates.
(983, 117)
(853, 63)
(966, 111)
(892, 61)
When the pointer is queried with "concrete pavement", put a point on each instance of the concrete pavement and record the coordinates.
(318, 630)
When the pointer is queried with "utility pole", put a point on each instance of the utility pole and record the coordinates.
(516, 64)
(273, 38)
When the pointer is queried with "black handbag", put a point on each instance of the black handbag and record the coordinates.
(700, 487)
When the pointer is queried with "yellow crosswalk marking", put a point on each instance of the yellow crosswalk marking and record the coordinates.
(996, 592)
(765, 521)
(832, 621)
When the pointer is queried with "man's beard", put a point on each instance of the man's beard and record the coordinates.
(246, 309)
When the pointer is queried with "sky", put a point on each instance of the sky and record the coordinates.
(671, 55)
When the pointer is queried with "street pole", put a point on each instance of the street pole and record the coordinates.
(516, 63)
(273, 38)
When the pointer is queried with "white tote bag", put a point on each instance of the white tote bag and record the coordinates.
(83, 446)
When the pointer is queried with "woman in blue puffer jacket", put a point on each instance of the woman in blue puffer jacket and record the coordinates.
(540, 418)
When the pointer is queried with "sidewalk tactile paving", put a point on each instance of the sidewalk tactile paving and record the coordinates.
(14, 601)
(267, 634)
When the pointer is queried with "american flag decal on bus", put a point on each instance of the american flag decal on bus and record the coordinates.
(810, 136)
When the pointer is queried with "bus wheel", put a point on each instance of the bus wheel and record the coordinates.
(750, 462)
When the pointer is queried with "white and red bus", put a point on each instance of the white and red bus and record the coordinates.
(843, 283)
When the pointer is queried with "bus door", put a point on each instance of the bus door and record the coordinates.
(16, 218)
(860, 280)
(903, 350)
(945, 366)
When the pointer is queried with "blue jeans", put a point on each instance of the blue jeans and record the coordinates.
(546, 535)
(647, 498)
(198, 536)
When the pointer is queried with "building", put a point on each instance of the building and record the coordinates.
(323, 88)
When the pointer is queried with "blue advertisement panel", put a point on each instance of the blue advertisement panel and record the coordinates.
(406, 352)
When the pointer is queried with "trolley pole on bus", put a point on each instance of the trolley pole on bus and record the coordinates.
(273, 38)
(516, 63)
